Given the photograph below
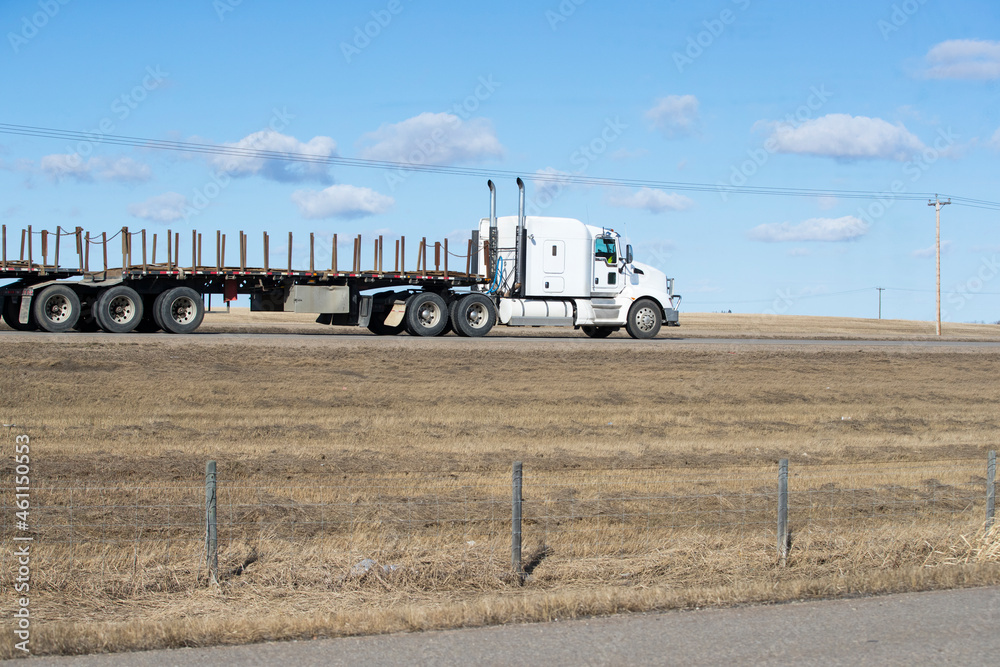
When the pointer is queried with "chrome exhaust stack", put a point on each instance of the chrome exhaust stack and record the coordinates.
(492, 259)
(519, 249)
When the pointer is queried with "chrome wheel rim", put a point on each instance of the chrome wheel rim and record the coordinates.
(121, 309)
(58, 308)
(183, 310)
(645, 319)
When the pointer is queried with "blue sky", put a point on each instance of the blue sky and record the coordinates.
(849, 95)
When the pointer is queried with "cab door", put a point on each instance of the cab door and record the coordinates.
(607, 280)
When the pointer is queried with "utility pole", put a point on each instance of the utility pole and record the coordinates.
(937, 204)
(880, 290)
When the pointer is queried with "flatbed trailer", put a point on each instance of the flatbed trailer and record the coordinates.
(49, 295)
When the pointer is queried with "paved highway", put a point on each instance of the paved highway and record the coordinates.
(943, 628)
(297, 338)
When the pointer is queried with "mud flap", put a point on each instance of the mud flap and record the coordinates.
(395, 316)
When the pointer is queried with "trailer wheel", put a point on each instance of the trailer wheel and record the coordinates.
(474, 315)
(118, 309)
(181, 310)
(149, 322)
(158, 309)
(57, 308)
(644, 319)
(599, 332)
(426, 314)
(12, 315)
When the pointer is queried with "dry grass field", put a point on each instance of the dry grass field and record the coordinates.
(650, 470)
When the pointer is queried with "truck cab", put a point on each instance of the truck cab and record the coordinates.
(562, 272)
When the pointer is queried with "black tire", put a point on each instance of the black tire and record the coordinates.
(181, 310)
(452, 309)
(380, 328)
(474, 315)
(426, 314)
(118, 309)
(644, 319)
(148, 324)
(599, 332)
(12, 315)
(87, 324)
(56, 308)
(157, 308)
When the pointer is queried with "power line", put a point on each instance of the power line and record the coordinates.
(541, 177)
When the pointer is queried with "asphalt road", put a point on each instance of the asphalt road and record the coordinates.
(332, 338)
(943, 627)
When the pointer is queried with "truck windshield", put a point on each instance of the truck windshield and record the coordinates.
(606, 249)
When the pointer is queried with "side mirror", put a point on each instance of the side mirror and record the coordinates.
(628, 254)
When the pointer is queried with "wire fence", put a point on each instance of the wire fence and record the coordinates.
(463, 525)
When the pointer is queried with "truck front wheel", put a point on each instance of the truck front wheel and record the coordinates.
(426, 314)
(644, 319)
(57, 308)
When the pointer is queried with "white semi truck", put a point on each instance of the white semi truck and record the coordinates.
(519, 271)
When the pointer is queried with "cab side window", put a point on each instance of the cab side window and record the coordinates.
(606, 249)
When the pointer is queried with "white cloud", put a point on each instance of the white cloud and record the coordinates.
(654, 201)
(925, 253)
(847, 228)
(277, 170)
(554, 183)
(433, 138)
(841, 135)
(675, 115)
(70, 165)
(341, 201)
(167, 207)
(964, 59)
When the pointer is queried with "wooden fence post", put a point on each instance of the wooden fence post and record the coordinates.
(991, 487)
(783, 510)
(211, 527)
(515, 522)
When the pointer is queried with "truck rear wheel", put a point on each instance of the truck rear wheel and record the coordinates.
(599, 332)
(181, 310)
(12, 315)
(473, 315)
(57, 308)
(118, 309)
(644, 319)
(426, 314)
